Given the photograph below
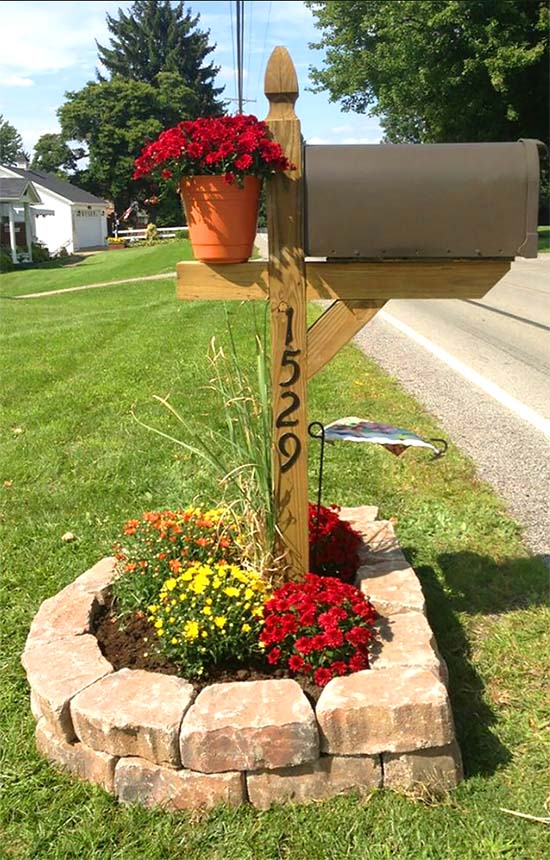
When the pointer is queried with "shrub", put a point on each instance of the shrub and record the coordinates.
(116, 240)
(6, 262)
(161, 544)
(333, 544)
(210, 614)
(320, 628)
(40, 253)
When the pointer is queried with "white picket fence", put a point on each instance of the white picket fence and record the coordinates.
(136, 234)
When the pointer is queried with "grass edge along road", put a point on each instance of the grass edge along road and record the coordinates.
(74, 367)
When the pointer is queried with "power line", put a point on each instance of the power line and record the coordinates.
(264, 46)
(233, 47)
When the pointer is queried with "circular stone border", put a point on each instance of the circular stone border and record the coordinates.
(149, 739)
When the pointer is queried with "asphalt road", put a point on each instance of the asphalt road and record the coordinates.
(443, 351)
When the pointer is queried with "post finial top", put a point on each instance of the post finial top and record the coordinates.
(281, 82)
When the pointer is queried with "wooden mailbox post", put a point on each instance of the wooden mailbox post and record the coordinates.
(358, 289)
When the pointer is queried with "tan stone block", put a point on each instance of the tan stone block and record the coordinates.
(360, 516)
(99, 578)
(35, 707)
(324, 778)
(139, 781)
(389, 710)
(76, 758)
(72, 611)
(133, 713)
(58, 670)
(405, 639)
(247, 726)
(380, 542)
(391, 585)
(436, 769)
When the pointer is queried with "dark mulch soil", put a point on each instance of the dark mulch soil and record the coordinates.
(131, 644)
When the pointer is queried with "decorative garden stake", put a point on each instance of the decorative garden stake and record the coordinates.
(394, 439)
(447, 245)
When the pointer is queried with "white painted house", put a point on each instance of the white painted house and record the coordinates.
(66, 216)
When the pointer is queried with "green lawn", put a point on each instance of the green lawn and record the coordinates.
(74, 367)
(96, 268)
(544, 240)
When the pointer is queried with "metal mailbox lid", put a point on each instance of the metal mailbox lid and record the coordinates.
(422, 200)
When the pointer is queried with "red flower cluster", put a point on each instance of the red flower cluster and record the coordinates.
(320, 628)
(232, 146)
(333, 544)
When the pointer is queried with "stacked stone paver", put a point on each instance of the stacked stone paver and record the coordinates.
(148, 739)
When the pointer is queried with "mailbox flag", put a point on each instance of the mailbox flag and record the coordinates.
(395, 439)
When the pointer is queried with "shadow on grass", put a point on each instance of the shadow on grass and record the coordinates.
(476, 585)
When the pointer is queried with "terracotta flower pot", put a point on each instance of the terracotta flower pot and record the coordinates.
(221, 217)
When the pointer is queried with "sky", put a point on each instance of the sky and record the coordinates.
(47, 48)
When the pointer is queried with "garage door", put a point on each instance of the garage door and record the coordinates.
(88, 229)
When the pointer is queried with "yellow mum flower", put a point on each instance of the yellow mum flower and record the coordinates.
(207, 610)
(191, 630)
(153, 608)
(246, 628)
(170, 584)
(159, 623)
(231, 591)
(249, 593)
(220, 621)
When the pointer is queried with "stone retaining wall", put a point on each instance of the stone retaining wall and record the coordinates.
(145, 736)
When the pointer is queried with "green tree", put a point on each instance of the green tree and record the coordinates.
(11, 144)
(154, 37)
(114, 119)
(439, 70)
(54, 155)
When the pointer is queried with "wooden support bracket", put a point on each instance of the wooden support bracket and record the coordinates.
(331, 331)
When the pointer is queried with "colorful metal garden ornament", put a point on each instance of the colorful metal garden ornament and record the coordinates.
(395, 439)
(353, 429)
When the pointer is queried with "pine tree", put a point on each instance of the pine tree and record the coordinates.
(154, 37)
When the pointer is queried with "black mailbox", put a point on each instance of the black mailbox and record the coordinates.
(422, 200)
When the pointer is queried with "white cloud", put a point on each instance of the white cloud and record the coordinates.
(352, 140)
(315, 141)
(228, 73)
(341, 129)
(42, 38)
(15, 81)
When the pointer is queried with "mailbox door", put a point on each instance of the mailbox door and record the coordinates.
(422, 200)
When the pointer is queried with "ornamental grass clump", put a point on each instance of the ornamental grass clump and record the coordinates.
(320, 628)
(161, 544)
(210, 615)
(333, 544)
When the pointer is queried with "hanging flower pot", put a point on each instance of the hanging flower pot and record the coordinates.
(218, 164)
(221, 216)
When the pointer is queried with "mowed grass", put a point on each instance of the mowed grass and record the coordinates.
(544, 240)
(75, 367)
(97, 268)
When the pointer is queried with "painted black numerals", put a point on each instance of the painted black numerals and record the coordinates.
(291, 448)
(288, 360)
(283, 419)
(289, 445)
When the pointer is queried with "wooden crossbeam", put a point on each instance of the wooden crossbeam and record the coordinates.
(364, 280)
(334, 328)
